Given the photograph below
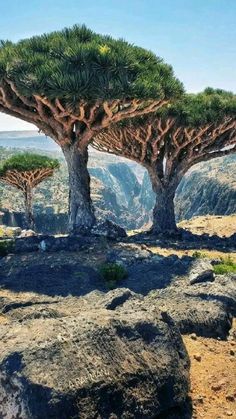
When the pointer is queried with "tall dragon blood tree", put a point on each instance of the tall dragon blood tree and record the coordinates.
(197, 128)
(26, 171)
(72, 84)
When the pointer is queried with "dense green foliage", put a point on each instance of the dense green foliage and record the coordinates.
(209, 106)
(112, 273)
(76, 63)
(26, 162)
(193, 110)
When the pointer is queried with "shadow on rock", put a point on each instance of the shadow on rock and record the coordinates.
(64, 280)
(183, 239)
(158, 273)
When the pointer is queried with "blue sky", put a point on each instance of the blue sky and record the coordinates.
(197, 37)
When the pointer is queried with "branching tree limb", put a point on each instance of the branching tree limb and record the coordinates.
(168, 147)
(73, 84)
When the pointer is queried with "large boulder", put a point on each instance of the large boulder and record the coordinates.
(201, 271)
(206, 309)
(91, 363)
(108, 229)
(127, 253)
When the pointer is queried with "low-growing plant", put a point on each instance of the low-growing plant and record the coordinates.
(112, 273)
(227, 265)
(198, 255)
(6, 247)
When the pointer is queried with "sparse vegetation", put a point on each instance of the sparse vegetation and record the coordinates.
(112, 273)
(199, 255)
(226, 266)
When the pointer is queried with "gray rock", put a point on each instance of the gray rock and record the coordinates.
(90, 363)
(126, 254)
(206, 309)
(192, 314)
(52, 244)
(116, 298)
(109, 230)
(27, 233)
(201, 271)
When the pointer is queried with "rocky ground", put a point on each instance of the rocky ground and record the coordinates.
(213, 378)
(59, 318)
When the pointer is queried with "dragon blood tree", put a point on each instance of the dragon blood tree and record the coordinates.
(25, 172)
(196, 128)
(73, 83)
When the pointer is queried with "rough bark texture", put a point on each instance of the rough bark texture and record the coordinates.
(29, 219)
(81, 211)
(164, 212)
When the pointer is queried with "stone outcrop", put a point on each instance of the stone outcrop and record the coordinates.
(108, 229)
(201, 271)
(71, 348)
(82, 363)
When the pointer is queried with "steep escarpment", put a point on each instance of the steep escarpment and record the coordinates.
(213, 190)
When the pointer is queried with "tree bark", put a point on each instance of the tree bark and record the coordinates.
(81, 211)
(29, 219)
(164, 212)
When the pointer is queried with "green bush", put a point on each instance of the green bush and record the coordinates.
(6, 247)
(226, 266)
(112, 273)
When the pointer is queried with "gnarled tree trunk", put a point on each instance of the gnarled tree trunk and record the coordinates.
(164, 212)
(81, 211)
(29, 219)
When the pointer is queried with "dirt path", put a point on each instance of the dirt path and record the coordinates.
(213, 377)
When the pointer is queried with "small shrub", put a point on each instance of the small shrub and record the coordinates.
(5, 247)
(112, 273)
(226, 266)
(199, 255)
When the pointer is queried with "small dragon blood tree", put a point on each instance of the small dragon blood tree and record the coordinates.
(25, 172)
(72, 84)
(197, 128)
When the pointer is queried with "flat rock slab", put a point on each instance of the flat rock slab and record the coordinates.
(90, 363)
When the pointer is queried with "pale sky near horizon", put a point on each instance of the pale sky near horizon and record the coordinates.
(197, 37)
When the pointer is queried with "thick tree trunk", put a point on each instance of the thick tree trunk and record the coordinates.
(29, 219)
(81, 212)
(164, 212)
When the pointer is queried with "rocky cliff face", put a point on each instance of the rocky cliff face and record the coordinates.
(121, 189)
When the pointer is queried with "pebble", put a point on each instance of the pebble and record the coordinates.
(193, 336)
(216, 387)
(229, 413)
(230, 398)
(197, 357)
(232, 352)
(199, 400)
